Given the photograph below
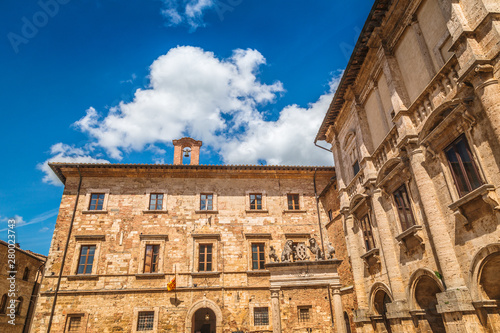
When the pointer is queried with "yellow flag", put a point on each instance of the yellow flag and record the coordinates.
(171, 285)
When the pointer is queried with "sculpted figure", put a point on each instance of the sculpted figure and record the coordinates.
(330, 251)
(272, 254)
(287, 251)
(315, 249)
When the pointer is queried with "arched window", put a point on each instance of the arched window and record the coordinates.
(19, 305)
(3, 303)
(26, 274)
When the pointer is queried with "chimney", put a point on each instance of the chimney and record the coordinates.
(186, 147)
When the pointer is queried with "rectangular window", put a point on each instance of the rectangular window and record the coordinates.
(367, 233)
(74, 324)
(255, 201)
(355, 168)
(86, 259)
(303, 314)
(205, 259)
(404, 208)
(145, 321)
(206, 201)
(293, 201)
(462, 166)
(258, 256)
(156, 201)
(96, 201)
(260, 316)
(151, 258)
(330, 215)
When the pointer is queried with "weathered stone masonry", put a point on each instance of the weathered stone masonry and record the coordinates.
(110, 298)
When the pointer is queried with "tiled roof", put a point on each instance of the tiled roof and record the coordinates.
(56, 167)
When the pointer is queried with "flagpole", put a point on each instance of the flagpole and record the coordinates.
(175, 279)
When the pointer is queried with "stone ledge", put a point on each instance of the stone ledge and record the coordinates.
(152, 236)
(487, 194)
(201, 274)
(256, 211)
(258, 235)
(82, 277)
(155, 211)
(206, 212)
(150, 276)
(90, 237)
(94, 211)
(259, 272)
(288, 211)
(206, 236)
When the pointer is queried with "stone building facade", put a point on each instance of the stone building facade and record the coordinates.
(415, 133)
(125, 231)
(19, 286)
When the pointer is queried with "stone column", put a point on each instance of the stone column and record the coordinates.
(388, 248)
(487, 89)
(436, 221)
(275, 308)
(338, 310)
(358, 266)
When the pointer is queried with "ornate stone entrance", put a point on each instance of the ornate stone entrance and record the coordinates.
(204, 317)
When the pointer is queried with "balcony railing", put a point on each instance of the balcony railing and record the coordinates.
(441, 88)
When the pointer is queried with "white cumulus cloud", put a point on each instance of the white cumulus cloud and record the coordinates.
(219, 101)
(65, 153)
(190, 91)
(189, 12)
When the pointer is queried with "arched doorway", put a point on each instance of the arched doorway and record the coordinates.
(425, 297)
(204, 321)
(198, 321)
(380, 301)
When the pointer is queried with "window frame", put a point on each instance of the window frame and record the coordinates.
(145, 241)
(367, 235)
(98, 198)
(256, 205)
(355, 168)
(152, 322)
(156, 201)
(26, 274)
(19, 305)
(255, 311)
(402, 210)
(464, 173)
(86, 240)
(3, 303)
(295, 203)
(154, 264)
(260, 262)
(135, 321)
(69, 317)
(206, 207)
(205, 263)
(88, 201)
(86, 259)
(300, 319)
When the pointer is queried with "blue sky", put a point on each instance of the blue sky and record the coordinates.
(116, 81)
